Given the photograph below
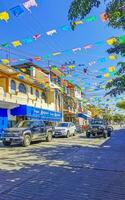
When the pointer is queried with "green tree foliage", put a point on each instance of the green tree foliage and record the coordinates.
(115, 9)
(108, 117)
(121, 104)
(118, 118)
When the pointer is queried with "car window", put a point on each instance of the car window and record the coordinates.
(63, 125)
(38, 124)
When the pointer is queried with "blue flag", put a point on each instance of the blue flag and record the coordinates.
(16, 11)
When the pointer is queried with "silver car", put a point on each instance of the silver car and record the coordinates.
(65, 129)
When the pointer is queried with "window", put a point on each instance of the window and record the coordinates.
(13, 85)
(44, 97)
(37, 93)
(31, 90)
(22, 88)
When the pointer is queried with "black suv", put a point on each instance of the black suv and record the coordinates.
(98, 127)
(27, 131)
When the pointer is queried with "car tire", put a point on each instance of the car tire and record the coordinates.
(68, 134)
(105, 134)
(26, 140)
(88, 135)
(109, 134)
(7, 144)
(49, 137)
(74, 134)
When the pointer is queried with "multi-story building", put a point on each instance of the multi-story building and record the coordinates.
(26, 97)
(28, 91)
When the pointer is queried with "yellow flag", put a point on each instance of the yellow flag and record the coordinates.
(4, 16)
(106, 75)
(5, 61)
(112, 69)
(16, 43)
(111, 41)
(78, 22)
(113, 57)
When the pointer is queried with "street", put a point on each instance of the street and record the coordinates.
(65, 169)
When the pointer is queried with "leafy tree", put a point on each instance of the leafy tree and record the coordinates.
(115, 12)
(118, 118)
(121, 104)
(108, 117)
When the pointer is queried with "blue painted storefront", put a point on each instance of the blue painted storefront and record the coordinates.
(3, 119)
(37, 113)
(30, 113)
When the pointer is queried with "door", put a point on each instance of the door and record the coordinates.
(42, 130)
(36, 130)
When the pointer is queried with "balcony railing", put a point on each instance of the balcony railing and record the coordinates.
(24, 99)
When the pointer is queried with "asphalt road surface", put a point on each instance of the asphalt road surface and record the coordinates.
(76, 168)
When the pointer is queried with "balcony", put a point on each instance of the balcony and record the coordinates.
(12, 100)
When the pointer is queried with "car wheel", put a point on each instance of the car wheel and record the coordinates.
(5, 143)
(74, 134)
(105, 134)
(26, 140)
(109, 134)
(68, 134)
(49, 137)
(88, 135)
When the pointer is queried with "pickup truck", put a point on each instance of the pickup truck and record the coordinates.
(26, 132)
(98, 127)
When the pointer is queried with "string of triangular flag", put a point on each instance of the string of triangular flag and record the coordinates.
(17, 10)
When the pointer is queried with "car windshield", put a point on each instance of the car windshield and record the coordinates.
(96, 122)
(24, 124)
(63, 125)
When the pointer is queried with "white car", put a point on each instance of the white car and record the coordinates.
(66, 129)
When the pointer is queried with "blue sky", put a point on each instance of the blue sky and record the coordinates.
(52, 15)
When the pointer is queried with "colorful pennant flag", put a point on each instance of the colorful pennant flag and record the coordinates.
(106, 75)
(16, 11)
(37, 36)
(113, 57)
(65, 28)
(30, 3)
(90, 19)
(16, 43)
(27, 40)
(4, 16)
(78, 22)
(50, 33)
(112, 69)
(56, 53)
(104, 17)
(111, 41)
(5, 61)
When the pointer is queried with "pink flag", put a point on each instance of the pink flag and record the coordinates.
(37, 36)
(30, 3)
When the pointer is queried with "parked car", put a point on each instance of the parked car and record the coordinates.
(98, 127)
(26, 132)
(66, 129)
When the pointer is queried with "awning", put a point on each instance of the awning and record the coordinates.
(38, 113)
(84, 116)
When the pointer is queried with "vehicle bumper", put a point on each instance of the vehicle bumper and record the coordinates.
(60, 134)
(13, 139)
(97, 132)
